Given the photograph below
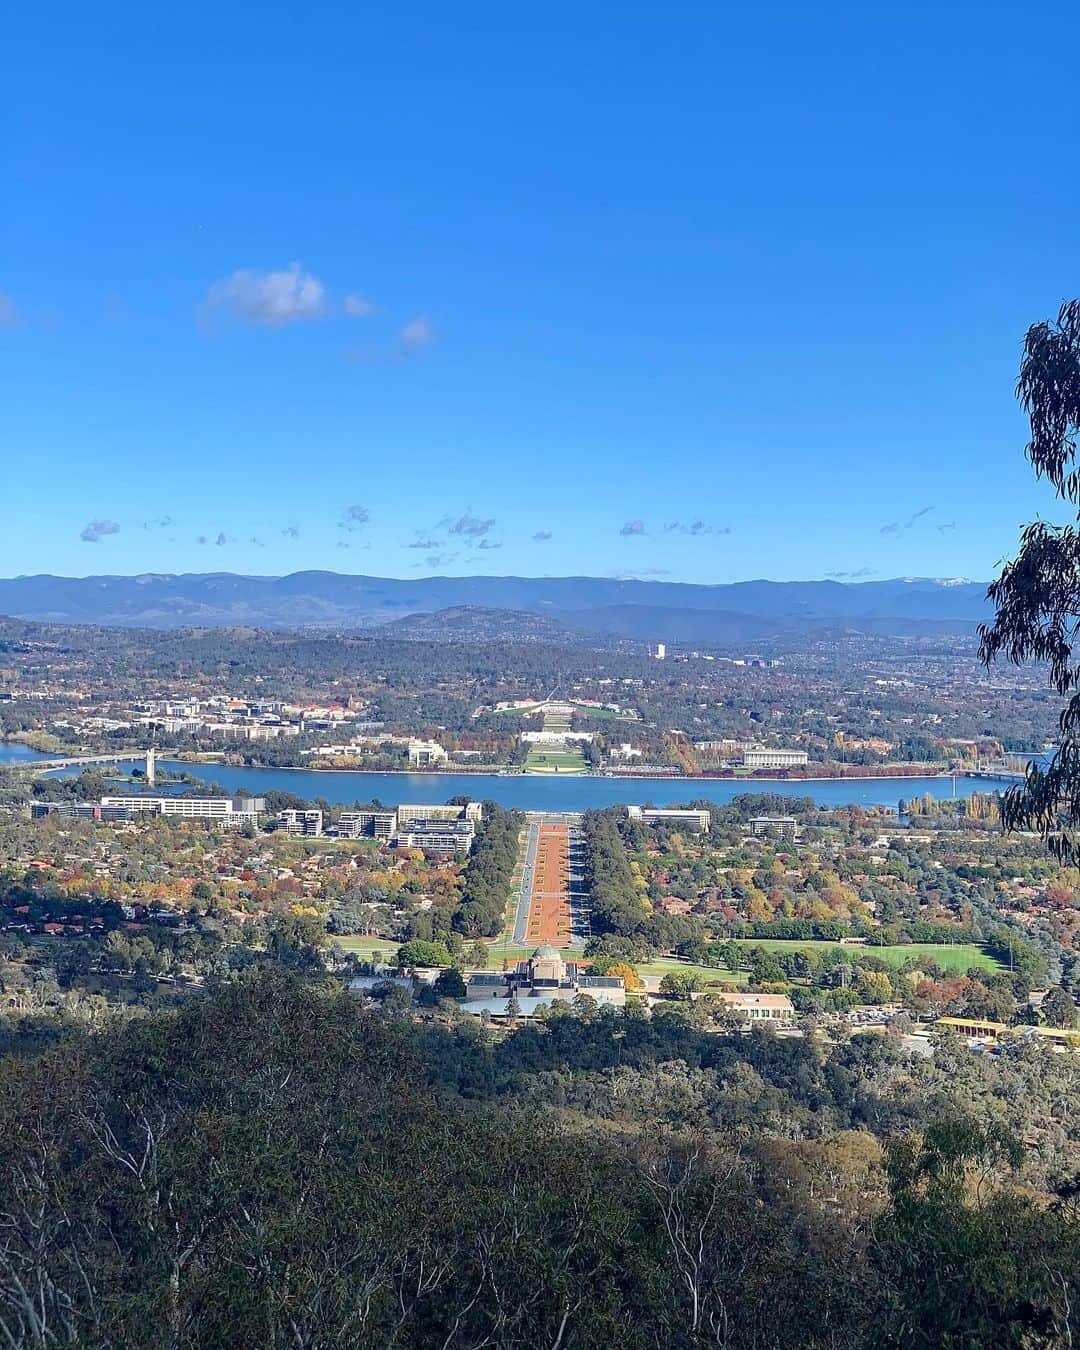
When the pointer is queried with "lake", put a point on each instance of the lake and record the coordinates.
(535, 792)
(14, 752)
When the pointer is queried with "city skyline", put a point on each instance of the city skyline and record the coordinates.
(491, 308)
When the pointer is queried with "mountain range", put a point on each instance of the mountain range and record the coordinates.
(468, 606)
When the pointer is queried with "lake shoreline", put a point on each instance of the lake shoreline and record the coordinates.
(456, 772)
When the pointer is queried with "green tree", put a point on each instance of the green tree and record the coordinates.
(450, 984)
(1059, 1009)
(1037, 595)
(419, 953)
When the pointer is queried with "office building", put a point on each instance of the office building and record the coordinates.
(423, 753)
(759, 1007)
(230, 810)
(473, 811)
(767, 758)
(698, 821)
(68, 810)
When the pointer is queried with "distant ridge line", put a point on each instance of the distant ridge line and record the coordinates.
(631, 606)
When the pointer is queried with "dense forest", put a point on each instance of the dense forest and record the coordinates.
(273, 1166)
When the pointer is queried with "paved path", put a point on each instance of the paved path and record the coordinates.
(552, 907)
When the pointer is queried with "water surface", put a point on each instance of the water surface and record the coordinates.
(535, 792)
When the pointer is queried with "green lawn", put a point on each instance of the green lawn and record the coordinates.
(552, 761)
(365, 945)
(666, 965)
(498, 952)
(955, 956)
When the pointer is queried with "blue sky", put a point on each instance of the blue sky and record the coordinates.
(700, 291)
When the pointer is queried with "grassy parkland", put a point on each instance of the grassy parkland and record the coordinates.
(555, 761)
(957, 957)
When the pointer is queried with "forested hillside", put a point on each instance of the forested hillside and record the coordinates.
(273, 1166)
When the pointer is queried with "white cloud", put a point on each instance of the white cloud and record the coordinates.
(358, 307)
(418, 333)
(633, 527)
(270, 299)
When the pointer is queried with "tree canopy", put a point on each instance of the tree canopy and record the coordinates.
(1037, 594)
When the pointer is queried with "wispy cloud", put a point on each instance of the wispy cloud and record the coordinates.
(488, 544)
(291, 532)
(427, 544)
(357, 306)
(354, 518)
(467, 526)
(541, 536)
(221, 540)
(633, 527)
(696, 527)
(944, 529)
(9, 312)
(850, 576)
(895, 526)
(441, 559)
(269, 299)
(98, 529)
(257, 542)
(417, 333)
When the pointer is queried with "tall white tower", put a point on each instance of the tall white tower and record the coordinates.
(151, 757)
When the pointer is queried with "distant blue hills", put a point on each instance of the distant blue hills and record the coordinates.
(649, 609)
